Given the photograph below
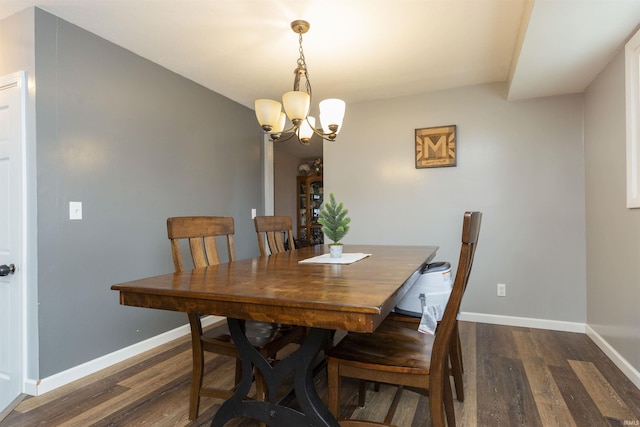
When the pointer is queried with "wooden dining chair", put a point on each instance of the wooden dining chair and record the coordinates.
(396, 353)
(201, 233)
(274, 233)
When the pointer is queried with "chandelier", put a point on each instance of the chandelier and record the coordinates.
(297, 104)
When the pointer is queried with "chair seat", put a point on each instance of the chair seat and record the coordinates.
(395, 345)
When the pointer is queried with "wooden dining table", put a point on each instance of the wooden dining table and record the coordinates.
(278, 288)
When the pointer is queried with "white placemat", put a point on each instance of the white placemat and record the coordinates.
(326, 259)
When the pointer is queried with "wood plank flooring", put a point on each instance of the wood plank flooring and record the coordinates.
(513, 377)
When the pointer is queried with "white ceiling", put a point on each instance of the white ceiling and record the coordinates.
(362, 50)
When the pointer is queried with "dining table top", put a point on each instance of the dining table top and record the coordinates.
(277, 288)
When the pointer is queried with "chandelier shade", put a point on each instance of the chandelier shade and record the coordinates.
(279, 127)
(268, 113)
(332, 113)
(305, 131)
(297, 106)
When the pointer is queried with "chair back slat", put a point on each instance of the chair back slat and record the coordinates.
(275, 241)
(204, 251)
(201, 232)
(176, 253)
(278, 231)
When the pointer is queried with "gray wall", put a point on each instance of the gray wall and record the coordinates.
(135, 143)
(520, 163)
(285, 171)
(613, 246)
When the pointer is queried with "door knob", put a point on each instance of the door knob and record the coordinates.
(6, 270)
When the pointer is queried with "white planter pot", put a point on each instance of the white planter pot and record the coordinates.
(335, 251)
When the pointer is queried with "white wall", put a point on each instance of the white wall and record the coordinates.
(520, 163)
(613, 231)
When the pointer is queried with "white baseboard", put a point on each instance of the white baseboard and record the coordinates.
(39, 387)
(626, 368)
(554, 325)
(527, 322)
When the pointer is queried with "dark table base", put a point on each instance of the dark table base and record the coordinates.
(313, 411)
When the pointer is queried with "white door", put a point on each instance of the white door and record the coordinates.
(11, 145)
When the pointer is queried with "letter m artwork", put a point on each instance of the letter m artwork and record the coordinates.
(436, 147)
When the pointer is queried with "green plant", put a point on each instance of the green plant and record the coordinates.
(334, 220)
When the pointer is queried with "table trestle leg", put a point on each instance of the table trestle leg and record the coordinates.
(313, 411)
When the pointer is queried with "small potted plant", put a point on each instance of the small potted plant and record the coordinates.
(335, 224)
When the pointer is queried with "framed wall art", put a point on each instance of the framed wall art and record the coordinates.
(436, 147)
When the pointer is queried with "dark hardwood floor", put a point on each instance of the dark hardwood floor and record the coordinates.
(513, 377)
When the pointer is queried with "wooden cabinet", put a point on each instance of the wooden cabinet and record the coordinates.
(309, 202)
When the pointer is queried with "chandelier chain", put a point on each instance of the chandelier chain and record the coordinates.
(301, 60)
(302, 70)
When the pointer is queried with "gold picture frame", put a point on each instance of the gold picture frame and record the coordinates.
(436, 147)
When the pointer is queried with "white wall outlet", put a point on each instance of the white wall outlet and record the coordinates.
(502, 290)
(75, 210)
(253, 213)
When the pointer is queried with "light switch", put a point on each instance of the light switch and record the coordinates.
(75, 210)
(253, 213)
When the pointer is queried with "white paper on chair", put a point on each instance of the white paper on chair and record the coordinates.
(432, 311)
(430, 317)
(346, 258)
